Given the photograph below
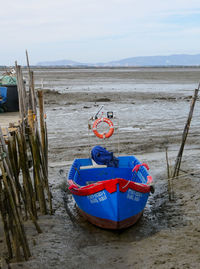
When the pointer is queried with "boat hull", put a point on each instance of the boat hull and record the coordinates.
(114, 208)
(111, 224)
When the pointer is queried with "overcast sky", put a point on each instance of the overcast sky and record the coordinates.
(97, 30)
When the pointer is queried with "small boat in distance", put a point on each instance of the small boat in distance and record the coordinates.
(8, 92)
(111, 196)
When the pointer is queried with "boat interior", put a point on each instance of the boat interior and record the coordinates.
(85, 172)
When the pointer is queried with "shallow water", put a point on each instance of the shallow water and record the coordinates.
(117, 79)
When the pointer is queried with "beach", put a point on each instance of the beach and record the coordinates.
(150, 107)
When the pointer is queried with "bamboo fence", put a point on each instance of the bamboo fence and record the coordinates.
(24, 192)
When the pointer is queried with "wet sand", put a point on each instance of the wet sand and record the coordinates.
(151, 107)
(8, 117)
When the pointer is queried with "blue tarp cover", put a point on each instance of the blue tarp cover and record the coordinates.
(3, 95)
(103, 157)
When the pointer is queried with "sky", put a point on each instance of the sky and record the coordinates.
(97, 30)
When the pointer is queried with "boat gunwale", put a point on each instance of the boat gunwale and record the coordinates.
(109, 185)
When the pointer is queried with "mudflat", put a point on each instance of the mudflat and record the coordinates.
(150, 106)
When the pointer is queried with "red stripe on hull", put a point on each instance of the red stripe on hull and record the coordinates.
(109, 185)
(110, 224)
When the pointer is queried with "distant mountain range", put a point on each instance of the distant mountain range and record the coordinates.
(171, 60)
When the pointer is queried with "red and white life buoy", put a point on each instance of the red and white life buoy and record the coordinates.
(103, 135)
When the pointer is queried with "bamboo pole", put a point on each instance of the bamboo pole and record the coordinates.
(167, 160)
(42, 126)
(37, 174)
(28, 188)
(8, 167)
(21, 111)
(21, 92)
(185, 134)
(24, 94)
(32, 95)
(15, 213)
(14, 233)
(44, 148)
(14, 164)
(170, 182)
(44, 171)
(5, 221)
(19, 197)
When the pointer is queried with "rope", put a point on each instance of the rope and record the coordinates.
(126, 184)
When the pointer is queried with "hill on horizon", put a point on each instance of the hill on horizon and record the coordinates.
(171, 60)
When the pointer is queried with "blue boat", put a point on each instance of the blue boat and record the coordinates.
(110, 196)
